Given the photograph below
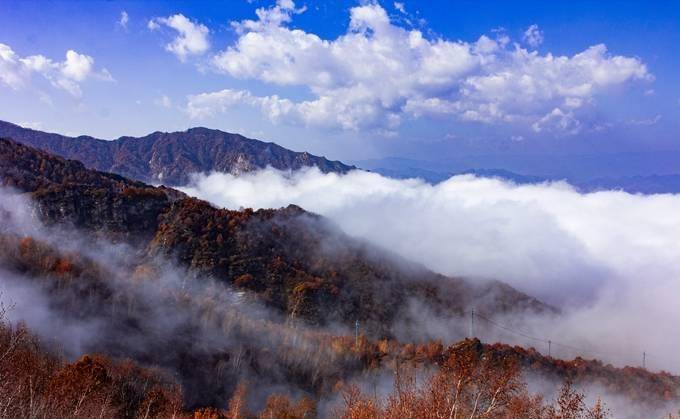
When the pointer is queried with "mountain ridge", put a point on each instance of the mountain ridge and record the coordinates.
(668, 183)
(171, 158)
(280, 254)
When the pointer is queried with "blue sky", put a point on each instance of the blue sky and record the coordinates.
(350, 79)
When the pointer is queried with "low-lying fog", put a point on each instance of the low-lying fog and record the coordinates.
(609, 260)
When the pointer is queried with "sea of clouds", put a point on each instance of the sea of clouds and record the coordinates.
(608, 260)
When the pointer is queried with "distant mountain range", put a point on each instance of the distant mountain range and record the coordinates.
(589, 179)
(171, 158)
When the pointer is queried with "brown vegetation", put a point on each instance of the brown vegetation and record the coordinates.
(37, 384)
(467, 386)
(286, 259)
(294, 261)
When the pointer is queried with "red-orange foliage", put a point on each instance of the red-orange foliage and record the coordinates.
(237, 404)
(279, 256)
(36, 384)
(466, 387)
(281, 407)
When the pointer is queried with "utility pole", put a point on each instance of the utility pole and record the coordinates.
(549, 346)
(472, 323)
(644, 360)
(356, 334)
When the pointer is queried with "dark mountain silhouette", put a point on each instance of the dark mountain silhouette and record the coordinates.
(171, 158)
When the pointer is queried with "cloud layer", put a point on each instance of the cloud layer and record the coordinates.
(380, 73)
(608, 258)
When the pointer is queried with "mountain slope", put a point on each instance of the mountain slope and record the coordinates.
(171, 158)
(295, 264)
(294, 261)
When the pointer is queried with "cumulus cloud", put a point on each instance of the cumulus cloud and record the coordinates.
(163, 101)
(191, 39)
(15, 71)
(533, 36)
(77, 67)
(208, 104)
(123, 20)
(12, 72)
(378, 73)
(609, 259)
(277, 109)
(558, 121)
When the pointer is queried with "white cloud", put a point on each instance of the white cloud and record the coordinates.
(191, 39)
(609, 258)
(645, 122)
(378, 74)
(533, 36)
(12, 73)
(16, 71)
(123, 20)
(163, 101)
(205, 105)
(32, 125)
(152, 25)
(77, 67)
(273, 16)
(558, 121)
(400, 7)
(323, 112)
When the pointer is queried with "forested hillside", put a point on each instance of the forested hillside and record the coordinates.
(147, 303)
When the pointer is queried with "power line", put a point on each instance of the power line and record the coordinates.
(508, 329)
(550, 342)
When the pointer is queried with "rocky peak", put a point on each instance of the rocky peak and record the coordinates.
(171, 158)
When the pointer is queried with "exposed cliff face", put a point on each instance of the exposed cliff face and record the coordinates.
(171, 158)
